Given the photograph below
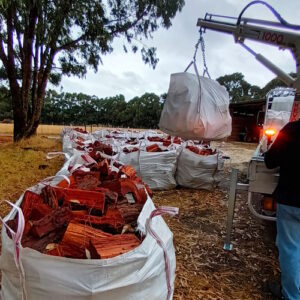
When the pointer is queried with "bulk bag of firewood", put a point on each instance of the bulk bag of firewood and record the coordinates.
(196, 108)
(157, 169)
(129, 155)
(67, 144)
(199, 171)
(146, 272)
(72, 139)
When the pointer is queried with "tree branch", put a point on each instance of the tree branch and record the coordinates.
(28, 54)
(3, 54)
(128, 26)
(10, 65)
(18, 34)
(10, 39)
(70, 44)
(34, 78)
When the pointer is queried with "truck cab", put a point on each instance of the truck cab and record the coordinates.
(278, 110)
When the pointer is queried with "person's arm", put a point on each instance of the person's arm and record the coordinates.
(274, 154)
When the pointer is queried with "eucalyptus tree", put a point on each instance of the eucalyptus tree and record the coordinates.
(41, 40)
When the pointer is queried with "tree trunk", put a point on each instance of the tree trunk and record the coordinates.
(33, 129)
(20, 115)
(25, 125)
(19, 125)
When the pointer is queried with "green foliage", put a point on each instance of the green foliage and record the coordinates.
(5, 104)
(79, 109)
(238, 88)
(142, 112)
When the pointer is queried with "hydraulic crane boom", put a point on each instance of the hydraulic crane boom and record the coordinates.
(262, 31)
(265, 32)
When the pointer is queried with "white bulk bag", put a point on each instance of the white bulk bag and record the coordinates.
(131, 159)
(198, 171)
(147, 272)
(100, 134)
(196, 108)
(157, 169)
(67, 144)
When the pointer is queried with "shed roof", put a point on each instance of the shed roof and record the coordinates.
(258, 103)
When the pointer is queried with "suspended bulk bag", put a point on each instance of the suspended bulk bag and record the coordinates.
(196, 108)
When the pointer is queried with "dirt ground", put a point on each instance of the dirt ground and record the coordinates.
(204, 270)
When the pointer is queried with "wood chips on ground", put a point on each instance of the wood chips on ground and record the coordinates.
(204, 270)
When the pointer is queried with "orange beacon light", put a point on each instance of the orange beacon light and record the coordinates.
(270, 132)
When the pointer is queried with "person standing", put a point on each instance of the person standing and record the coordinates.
(285, 153)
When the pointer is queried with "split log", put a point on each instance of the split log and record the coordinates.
(129, 212)
(49, 196)
(58, 218)
(110, 196)
(90, 199)
(33, 207)
(153, 148)
(67, 250)
(111, 222)
(203, 151)
(85, 180)
(65, 184)
(80, 234)
(129, 186)
(40, 244)
(113, 246)
(128, 171)
(124, 186)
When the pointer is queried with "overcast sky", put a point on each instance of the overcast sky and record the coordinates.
(125, 73)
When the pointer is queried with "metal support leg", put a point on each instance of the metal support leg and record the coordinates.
(231, 205)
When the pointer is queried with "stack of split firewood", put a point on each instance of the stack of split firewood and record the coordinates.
(93, 215)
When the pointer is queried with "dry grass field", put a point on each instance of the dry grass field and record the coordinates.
(24, 164)
(7, 129)
(204, 270)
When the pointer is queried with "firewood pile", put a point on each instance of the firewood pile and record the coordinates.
(162, 161)
(94, 215)
(93, 225)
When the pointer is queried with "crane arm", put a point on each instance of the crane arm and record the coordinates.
(261, 31)
(245, 30)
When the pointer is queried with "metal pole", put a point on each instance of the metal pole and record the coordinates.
(230, 212)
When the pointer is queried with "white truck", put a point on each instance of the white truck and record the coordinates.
(283, 104)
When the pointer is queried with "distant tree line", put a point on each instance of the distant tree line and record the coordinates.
(81, 109)
(139, 112)
(240, 90)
